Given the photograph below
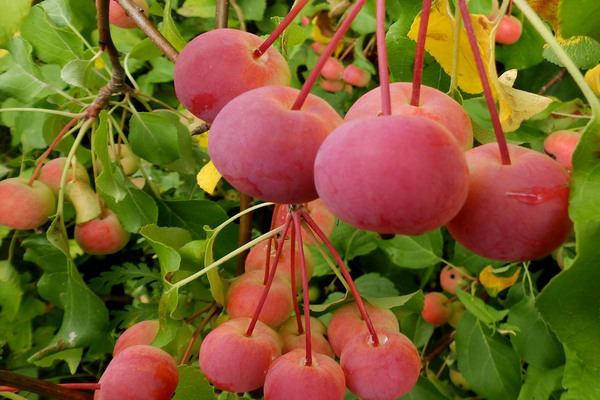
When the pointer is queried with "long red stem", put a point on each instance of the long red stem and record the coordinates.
(269, 281)
(349, 280)
(487, 91)
(293, 279)
(420, 54)
(382, 60)
(213, 310)
(64, 130)
(305, 296)
(280, 28)
(74, 386)
(314, 74)
(271, 239)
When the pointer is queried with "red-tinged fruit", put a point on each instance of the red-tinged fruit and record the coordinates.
(333, 69)
(318, 47)
(102, 235)
(436, 309)
(235, 362)
(119, 17)
(509, 30)
(289, 378)
(257, 257)
(384, 372)
(453, 278)
(356, 76)
(399, 174)
(514, 212)
(347, 323)
(143, 332)
(293, 339)
(139, 373)
(319, 212)
(332, 86)
(245, 292)
(433, 104)
(272, 157)
(23, 206)
(560, 145)
(225, 58)
(51, 173)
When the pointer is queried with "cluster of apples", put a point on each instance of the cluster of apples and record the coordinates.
(438, 309)
(337, 76)
(28, 205)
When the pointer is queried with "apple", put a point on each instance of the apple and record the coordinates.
(139, 372)
(102, 235)
(23, 206)
(143, 332)
(228, 67)
(245, 292)
(319, 212)
(51, 173)
(436, 310)
(509, 30)
(560, 145)
(515, 212)
(332, 86)
(453, 279)
(433, 104)
(119, 17)
(399, 174)
(235, 362)
(293, 339)
(289, 378)
(272, 157)
(356, 76)
(333, 69)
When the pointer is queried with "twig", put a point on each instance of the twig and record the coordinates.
(222, 14)
(41, 387)
(555, 79)
(138, 16)
(245, 232)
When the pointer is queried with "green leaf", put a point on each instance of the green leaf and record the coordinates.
(580, 380)
(416, 329)
(423, 390)
(524, 53)
(10, 291)
(472, 262)
(375, 285)
(13, 12)
(71, 356)
(578, 17)
(352, 242)
(416, 252)
(540, 383)
(570, 302)
(145, 50)
(153, 138)
(365, 20)
(169, 29)
(166, 242)
(198, 8)
(406, 303)
(253, 10)
(193, 385)
(583, 51)
(78, 73)
(483, 312)
(487, 360)
(52, 44)
(58, 11)
(535, 342)
(121, 274)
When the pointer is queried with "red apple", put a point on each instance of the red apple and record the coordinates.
(244, 294)
(102, 235)
(433, 104)
(436, 311)
(356, 76)
(118, 17)
(143, 332)
(228, 67)
(139, 372)
(384, 372)
(453, 279)
(235, 362)
(51, 173)
(23, 206)
(514, 212)
(333, 69)
(400, 174)
(289, 378)
(332, 86)
(293, 339)
(509, 30)
(272, 157)
(560, 145)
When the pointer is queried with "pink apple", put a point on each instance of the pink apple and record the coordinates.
(356, 76)
(509, 30)
(51, 173)
(102, 235)
(23, 206)
(436, 310)
(560, 145)
(293, 339)
(453, 278)
(333, 69)
(118, 17)
(143, 332)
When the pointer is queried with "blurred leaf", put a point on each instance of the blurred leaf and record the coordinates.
(252, 10)
(13, 12)
(154, 138)
(540, 383)
(535, 342)
(166, 242)
(58, 11)
(483, 312)
(583, 51)
(193, 385)
(579, 17)
(416, 329)
(145, 50)
(352, 242)
(364, 23)
(487, 360)
(416, 252)
(494, 283)
(472, 262)
(423, 390)
(169, 29)
(580, 380)
(374, 285)
(52, 44)
(121, 274)
(10, 291)
(407, 303)
(198, 8)
(72, 357)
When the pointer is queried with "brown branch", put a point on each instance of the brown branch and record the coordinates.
(555, 79)
(222, 14)
(138, 16)
(41, 387)
(245, 232)
(440, 346)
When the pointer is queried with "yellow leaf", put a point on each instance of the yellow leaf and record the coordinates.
(516, 105)
(440, 42)
(99, 63)
(495, 284)
(548, 10)
(208, 177)
(202, 139)
(3, 52)
(592, 77)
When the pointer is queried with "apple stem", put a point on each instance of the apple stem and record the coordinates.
(510, 4)
(349, 280)
(382, 60)
(293, 279)
(305, 297)
(271, 239)
(214, 310)
(269, 281)
(280, 28)
(58, 137)
(314, 74)
(487, 91)
(420, 54)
